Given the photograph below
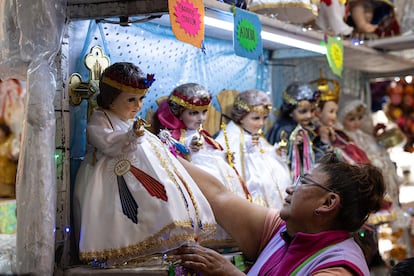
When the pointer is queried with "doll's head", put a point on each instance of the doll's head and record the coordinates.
(351, 112)
(327, 112)
(122, 77)
(327, 105)
(250, 109)
(189, 103)
(299, 103)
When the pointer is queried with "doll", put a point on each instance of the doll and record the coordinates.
(372, 18)
(329, 137)
(183, 114)
(331, 14)
(265, 173)
(296, 123)
(9, 150)
(352, 112)
(133, 199)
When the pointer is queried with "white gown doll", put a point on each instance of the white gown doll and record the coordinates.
(265, 173)
(350, 115)
(133, 199)
(180, 118)
(331, 14)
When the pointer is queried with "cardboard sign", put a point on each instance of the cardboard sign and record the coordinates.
(247, 38)
(187, 20)
(335, 55)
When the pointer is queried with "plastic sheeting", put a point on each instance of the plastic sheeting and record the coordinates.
(30, 38)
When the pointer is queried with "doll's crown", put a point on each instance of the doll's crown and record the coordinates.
(193, 103)
(260, 108)
(330, 90)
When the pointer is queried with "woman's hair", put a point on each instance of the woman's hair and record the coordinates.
(119, 77)
(188, 96)
(361, 189)
(403, 268)
(246, 101)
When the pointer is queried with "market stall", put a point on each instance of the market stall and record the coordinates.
(44, 60)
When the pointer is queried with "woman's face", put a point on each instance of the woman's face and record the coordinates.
(327, 116)
(303, 113)
(352, 121)
(301, 202)
(253, 122)
(192, 119)
(126, 105)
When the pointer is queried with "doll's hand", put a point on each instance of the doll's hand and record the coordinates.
(195, 144)
(327, 134)
(298, 138)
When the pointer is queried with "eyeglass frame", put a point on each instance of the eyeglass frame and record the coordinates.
(312, 183)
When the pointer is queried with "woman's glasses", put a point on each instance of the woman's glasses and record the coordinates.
(302, 180)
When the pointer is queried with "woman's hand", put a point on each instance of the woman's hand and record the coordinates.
(206, 261)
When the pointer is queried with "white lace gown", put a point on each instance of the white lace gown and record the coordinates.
(264, 172)
(169, 209)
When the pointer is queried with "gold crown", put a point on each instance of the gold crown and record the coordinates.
(329, 89)
(260, 109)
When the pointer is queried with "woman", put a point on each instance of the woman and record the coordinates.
(133, 199)
(265, 173)
(310, 235)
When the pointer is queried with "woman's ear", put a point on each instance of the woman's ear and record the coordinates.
(331, 203)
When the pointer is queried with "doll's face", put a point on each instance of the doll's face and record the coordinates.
(126, 105)
(192, 119)
(253, 122)
(327, 116)
(304, 113)
(352, 121)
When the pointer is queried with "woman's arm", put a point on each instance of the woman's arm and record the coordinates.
(243, 220)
